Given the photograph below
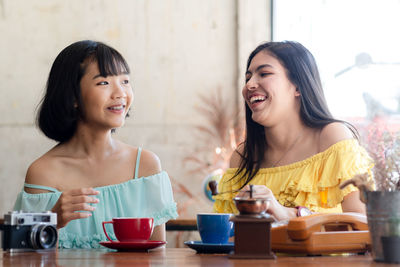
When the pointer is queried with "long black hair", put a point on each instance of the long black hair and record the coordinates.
(61, 107)
(302, 71)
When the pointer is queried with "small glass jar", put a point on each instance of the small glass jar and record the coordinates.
(323, 197)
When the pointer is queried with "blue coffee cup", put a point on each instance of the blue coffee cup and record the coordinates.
(215, 228)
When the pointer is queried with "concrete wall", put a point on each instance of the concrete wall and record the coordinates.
(176, 50)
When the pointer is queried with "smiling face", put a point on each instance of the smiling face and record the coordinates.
(106, 100)
(268, 92)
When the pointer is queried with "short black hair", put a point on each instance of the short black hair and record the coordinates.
(61, 107)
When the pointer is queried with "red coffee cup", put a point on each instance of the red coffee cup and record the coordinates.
(131, 229)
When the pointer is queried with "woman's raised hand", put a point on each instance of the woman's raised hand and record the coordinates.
(74, 204)
(275, 208)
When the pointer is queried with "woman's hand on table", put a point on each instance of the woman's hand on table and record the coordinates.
(274, 208)
(74, 204)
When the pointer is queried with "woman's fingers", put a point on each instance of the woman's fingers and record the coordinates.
(80, 195)
(74, 204)
(83, 191)
(79, 215)
(84, 199)
(79, 207)
(259, 191)
(243, 192)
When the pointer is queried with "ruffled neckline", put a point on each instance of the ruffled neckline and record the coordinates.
(106, 187)
(317, 157)
(299, 183)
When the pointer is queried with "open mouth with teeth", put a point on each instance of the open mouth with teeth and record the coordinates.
(117, 108)
(257, 99)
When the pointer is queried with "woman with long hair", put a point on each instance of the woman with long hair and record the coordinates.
(294, 151)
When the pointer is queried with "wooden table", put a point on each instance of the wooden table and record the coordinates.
(181, 225)
(168, 257)
(171, 225)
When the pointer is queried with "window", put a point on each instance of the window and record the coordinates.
(357, 48)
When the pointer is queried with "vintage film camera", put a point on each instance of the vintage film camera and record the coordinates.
(24, 231)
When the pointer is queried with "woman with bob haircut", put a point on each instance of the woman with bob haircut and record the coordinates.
(295, 152)
(90, 177)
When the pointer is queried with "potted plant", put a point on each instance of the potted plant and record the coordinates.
(222, 128)
(391, 242)
(383, 202)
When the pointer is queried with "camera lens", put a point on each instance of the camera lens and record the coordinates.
(43, 236)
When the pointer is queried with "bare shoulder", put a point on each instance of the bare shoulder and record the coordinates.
(332, 133)
(236, 157)
(149, 163)
(40, 173)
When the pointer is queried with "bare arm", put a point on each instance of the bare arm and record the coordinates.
(159, 233)
(331, 134)
(71, 205)
(352, 203)
(37, 174)
(149, 165)
(235, 157)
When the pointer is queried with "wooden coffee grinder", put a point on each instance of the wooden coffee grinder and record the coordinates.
(252, 229)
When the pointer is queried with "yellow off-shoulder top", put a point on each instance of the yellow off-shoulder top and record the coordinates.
(299, 183)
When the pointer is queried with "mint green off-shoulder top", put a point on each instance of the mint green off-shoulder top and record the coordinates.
(149, 196)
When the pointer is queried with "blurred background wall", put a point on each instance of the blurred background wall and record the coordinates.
(177, 50)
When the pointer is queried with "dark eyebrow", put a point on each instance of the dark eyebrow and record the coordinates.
(97, 76)
(260, 67)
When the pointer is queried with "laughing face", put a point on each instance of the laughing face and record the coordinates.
(268, 92)
(106, 100)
